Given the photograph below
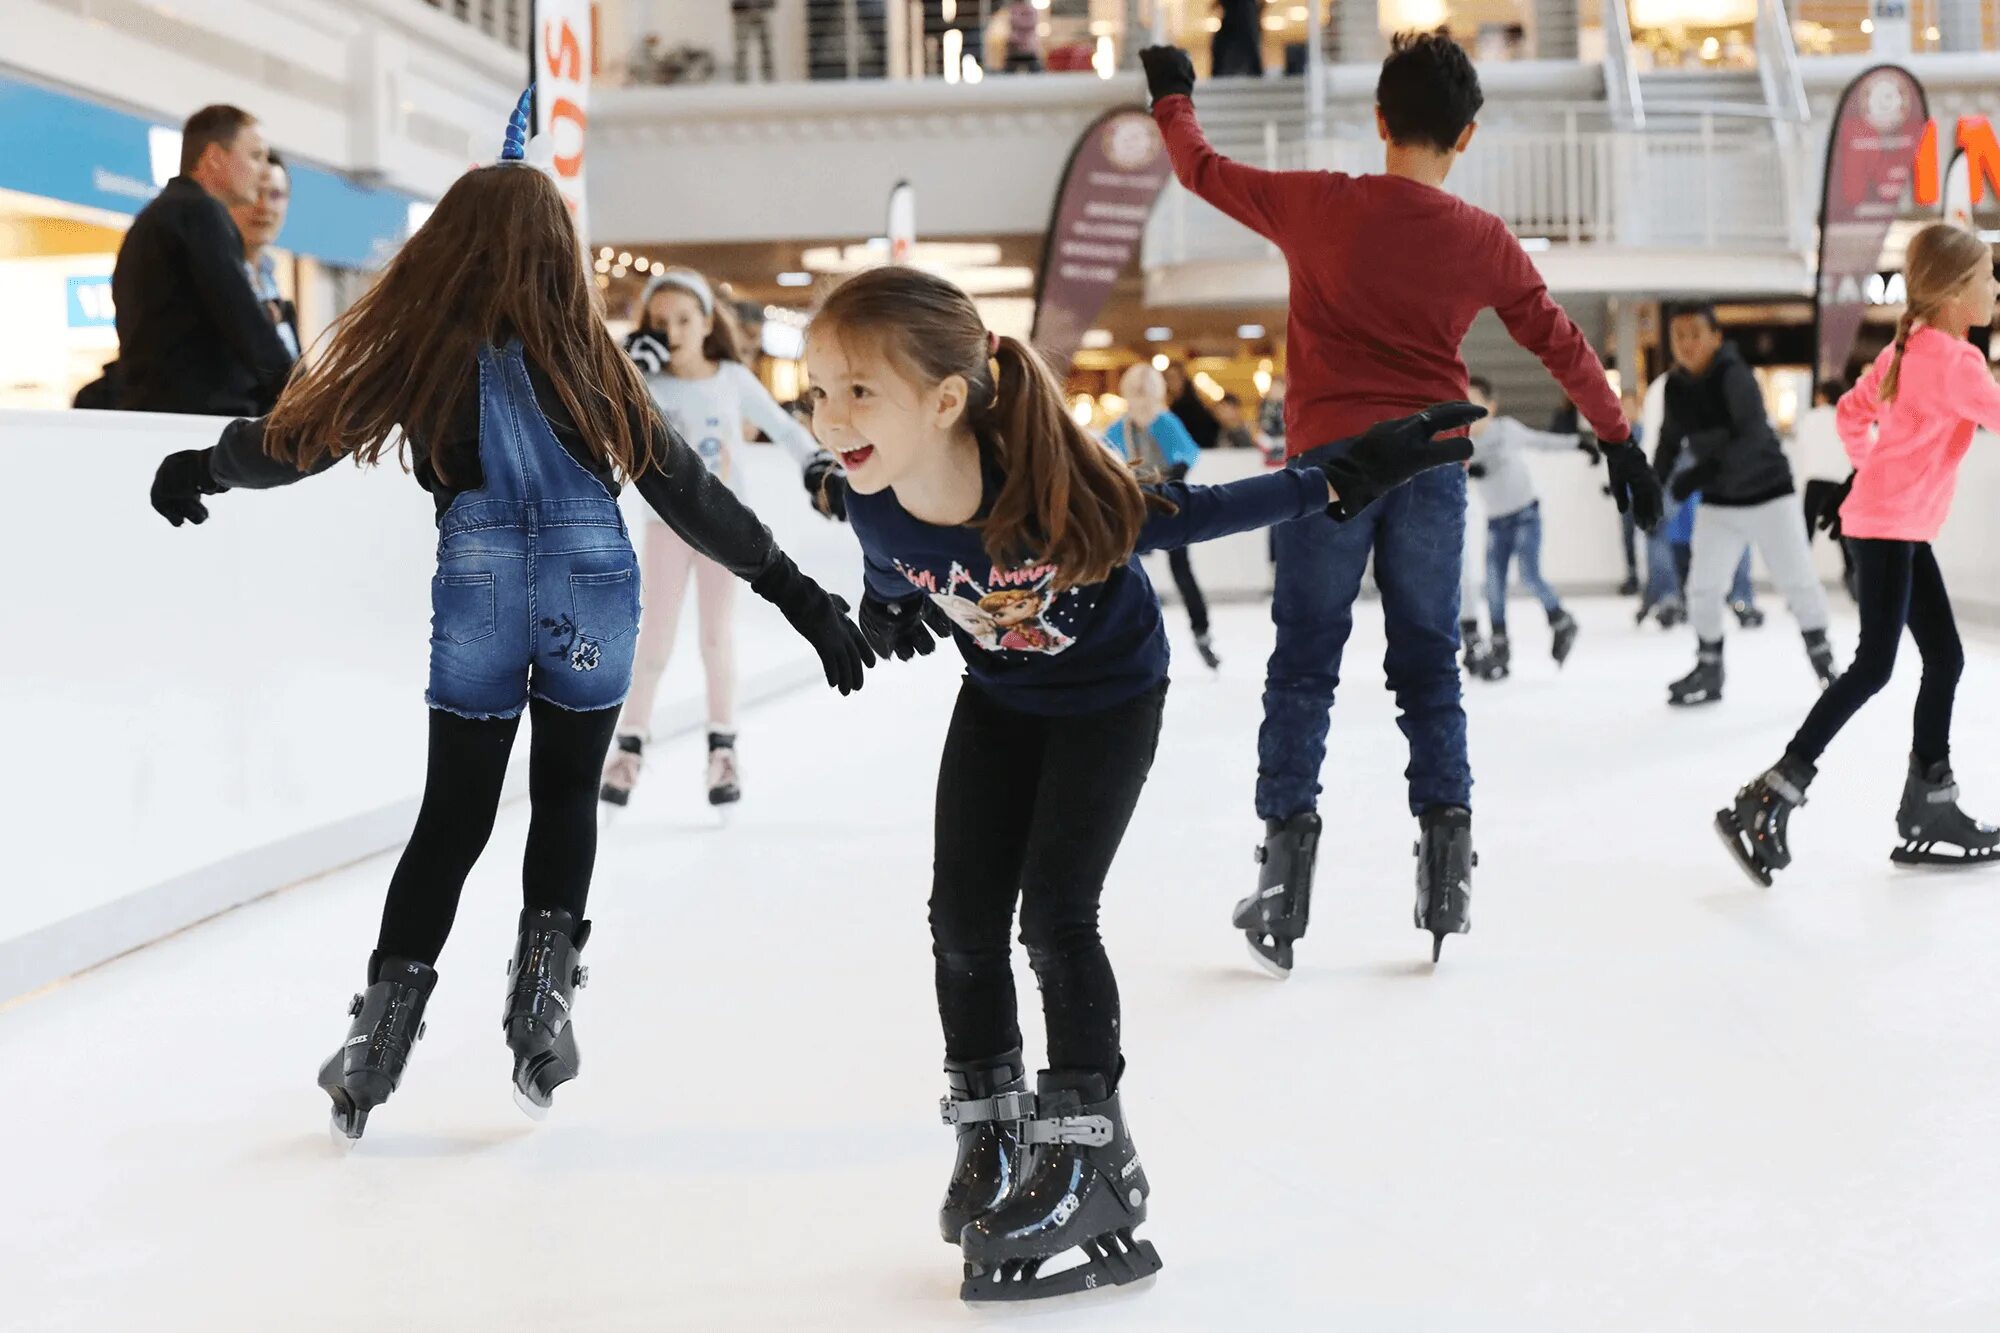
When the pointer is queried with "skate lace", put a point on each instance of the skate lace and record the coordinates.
(722, 768)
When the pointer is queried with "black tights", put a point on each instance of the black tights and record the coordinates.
(1183, 571)
(1032, 809)
(1900, 585)
(468, 763)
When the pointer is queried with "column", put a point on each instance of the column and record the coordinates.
(1555, 23)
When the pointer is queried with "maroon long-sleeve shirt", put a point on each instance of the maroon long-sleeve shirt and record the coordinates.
(1387, 274)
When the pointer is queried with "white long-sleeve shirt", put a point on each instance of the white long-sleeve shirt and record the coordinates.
(709, 413)
(1508, 486)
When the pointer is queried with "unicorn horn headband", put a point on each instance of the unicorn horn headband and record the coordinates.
(521, 145)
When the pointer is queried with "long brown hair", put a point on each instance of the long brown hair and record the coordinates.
(725, 336)
(498, 257)
(1941, 259)
(1064, 498)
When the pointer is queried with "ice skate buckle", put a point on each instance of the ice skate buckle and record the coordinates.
(1092, 1131)
(973, 1111)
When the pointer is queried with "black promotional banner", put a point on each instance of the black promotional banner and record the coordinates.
(1115, 175)
(1871, 160)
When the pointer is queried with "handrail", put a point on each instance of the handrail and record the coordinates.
(1778, 63)
(1621, 76)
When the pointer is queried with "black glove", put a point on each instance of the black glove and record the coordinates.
(1169, 72)
(648, 353)
(183, 478)
(1369, 466)
(827, 485)
(1588, 444)
(905, 629)
(1684, 484)
(1476, 471)
(821, 620)
(1823, 502)
(1633, 485)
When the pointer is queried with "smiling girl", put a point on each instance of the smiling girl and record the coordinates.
(972, 490)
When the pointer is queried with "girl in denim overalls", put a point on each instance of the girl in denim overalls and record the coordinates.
(521, 421)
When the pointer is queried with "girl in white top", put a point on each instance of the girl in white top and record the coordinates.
(687, 350)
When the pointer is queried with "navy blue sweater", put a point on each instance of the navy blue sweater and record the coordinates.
(1086, 648)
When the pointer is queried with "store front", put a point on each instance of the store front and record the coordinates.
(75, 173)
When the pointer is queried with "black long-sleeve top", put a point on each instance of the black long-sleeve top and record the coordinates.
(1719, 415)
(192, 335)
(681, 489)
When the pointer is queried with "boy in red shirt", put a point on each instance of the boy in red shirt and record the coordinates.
(1387, 274)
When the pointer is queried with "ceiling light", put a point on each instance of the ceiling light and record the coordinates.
(617, 270)
(795, 279)
(624, 256)
(1273, 23)
(1082, 410)
(1159, 333)
(603, 266)
(1160, 363)
(1209, 386)
(1868, 25)
(605, 253)
(1249, 331)
(1096, 340)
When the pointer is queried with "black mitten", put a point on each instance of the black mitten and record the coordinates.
(1823, 502)
(821, 620)
(1364, 469)
(1633, 485)
(827, 485)
(182, 479)
(1169, 72)
(901, 630)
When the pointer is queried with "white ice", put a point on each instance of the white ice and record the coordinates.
(1641, 1094)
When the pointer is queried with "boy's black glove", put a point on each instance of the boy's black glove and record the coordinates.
(1364, 469)
(905, 629)
(827, 485)
(1169, 72)
(1587, 442)
(1476, 471)
(1633, 485)
(1689, 480)
(183, 478)
(1823, 502)
(821, 620)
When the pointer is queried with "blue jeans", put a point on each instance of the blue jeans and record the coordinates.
(1417, 535)
(1663, 580)
(537, 588)
(1518, 533)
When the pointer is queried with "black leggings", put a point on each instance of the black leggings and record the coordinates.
(468, 763)
(1183, 572)
(1900, 584)
(1033, 808)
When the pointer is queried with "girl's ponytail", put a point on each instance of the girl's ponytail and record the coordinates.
(1066, 500)
(1886, 391)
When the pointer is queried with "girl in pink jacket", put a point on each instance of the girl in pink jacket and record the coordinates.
(1906, 425)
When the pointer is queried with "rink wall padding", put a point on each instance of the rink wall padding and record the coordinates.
(192, 719)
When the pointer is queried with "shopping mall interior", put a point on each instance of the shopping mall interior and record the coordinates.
(1633, 1080)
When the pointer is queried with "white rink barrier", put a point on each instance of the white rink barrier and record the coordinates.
(191, 718)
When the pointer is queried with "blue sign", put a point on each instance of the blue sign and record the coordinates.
(90, 303)
(75, 150)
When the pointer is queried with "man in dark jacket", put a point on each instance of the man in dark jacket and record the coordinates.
(192, 335)
(1715, 410)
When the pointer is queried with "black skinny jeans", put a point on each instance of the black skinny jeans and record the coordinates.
(468, 763)
(1900, 585)
(1033, 809)
(1183, 572)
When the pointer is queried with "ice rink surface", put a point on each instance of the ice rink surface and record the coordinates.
(1642, 1094)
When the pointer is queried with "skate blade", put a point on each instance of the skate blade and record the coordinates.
(1694, 701)
(1731, 834)
(1437, 947)
(535, 1111)
(1920, 854)
(1275, 958)
(347, 1122)
(1112, 1260)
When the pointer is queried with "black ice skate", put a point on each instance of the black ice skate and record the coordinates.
(1820, 653)
(988, 1105)
(1499, 662)
(1930, 819)
(1562, 625)
(543, 980)
(1747, 615)
(1703, 685)
(1083, 1190)
(1672, 613)
(725, 786)
(1475, 646)
(388, 1021)
(628, 756)
(1754, 828)
(1444, 873)
(1275, 915)
(1630, 587)
(1206, 647)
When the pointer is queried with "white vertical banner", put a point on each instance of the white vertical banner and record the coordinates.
(561, 53)
(902, 223)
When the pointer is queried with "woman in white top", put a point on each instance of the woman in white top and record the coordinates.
(687, 349)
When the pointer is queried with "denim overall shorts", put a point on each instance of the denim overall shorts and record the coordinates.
(537, 589)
